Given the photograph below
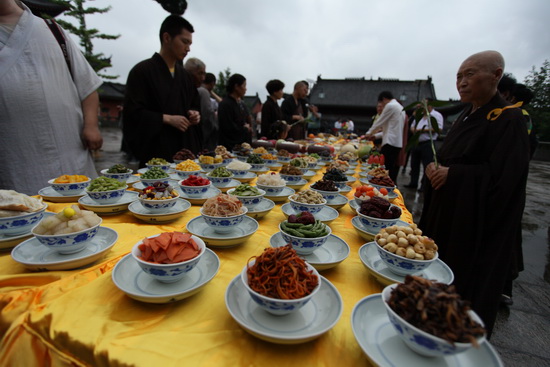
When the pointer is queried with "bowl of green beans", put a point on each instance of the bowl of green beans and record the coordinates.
(105, 190)
(305, 238)
(153, 175)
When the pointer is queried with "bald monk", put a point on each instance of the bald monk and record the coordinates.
(474, 204)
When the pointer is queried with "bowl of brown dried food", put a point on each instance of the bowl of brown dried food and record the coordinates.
(377, 213)
(382, 183)
(431, 318)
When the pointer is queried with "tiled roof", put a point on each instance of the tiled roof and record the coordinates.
(363, 93)
(110, 90)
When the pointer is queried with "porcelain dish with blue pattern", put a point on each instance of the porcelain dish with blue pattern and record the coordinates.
(381, 344)
(130, 279)
(211, 238)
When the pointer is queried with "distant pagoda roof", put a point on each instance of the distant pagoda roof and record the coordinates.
(46, 7)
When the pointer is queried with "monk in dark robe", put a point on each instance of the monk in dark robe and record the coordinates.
(161, 103)
(473, 207)
(295, 110)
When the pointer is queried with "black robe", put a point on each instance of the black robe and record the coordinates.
(232, 116)
(271, 112)
(474, 218)
(289, 107)
(151, 91)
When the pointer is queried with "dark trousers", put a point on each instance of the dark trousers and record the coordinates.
(391, 154)
(422, 153)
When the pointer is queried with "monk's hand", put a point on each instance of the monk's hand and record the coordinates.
(194, 117)
(91, 137)
(437, 176)
(179, 122)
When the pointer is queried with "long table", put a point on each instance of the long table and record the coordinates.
(80, 318)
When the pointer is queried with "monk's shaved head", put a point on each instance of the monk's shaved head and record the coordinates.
(488, 60)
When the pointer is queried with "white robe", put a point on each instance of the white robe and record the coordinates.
(40, 108)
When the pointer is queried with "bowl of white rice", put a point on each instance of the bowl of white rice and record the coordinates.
(272, 183)
(238, 168)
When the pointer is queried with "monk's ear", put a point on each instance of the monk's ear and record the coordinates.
(165, 38)
(498, 74)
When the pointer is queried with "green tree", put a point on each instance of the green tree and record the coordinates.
(77, 10)
(539, 108)
(221, 82)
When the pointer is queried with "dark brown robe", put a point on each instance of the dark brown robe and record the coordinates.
(152, 91)
(474, 218)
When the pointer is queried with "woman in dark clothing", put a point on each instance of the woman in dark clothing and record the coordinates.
(271, 112)
(232, 115)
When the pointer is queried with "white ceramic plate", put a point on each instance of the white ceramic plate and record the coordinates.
(129, 278)
(309, 174)
(296, 185)
(368, 254)
(229, 185)
(49, 194)
(346, 189)
(282, 196)
(8, 242)
(173, 213)
(260, 171)
(238, 235)
(275, 165)
(365, 233)
(249, 176)
(140, 185)
(332, 253)
(132, 179)
(35, 256)
(326, 215)
(212, 191)
(338, 202)
(317, 317)
(261, 209)
(118, 207)
(379, 340)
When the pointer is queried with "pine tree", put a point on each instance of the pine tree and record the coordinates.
(539, 108)
(77, 10)
(221, 82)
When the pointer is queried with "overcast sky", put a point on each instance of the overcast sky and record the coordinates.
(293, 40)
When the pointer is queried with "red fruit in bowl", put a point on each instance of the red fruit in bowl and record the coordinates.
(292, 218)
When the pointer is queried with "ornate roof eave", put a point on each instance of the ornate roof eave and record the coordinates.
(46, 7)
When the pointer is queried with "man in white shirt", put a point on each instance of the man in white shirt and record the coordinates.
(423, 151)
(391, 121)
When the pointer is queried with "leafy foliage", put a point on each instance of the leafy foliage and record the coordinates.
(77, 10)
(539, 108)
(221, 82)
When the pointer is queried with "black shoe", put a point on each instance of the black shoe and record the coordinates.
(506, 300)
(411, 186)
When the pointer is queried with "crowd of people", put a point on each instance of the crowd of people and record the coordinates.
(474, 195)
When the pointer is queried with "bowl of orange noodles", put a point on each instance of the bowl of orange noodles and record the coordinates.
(223, 212)
(280, 281)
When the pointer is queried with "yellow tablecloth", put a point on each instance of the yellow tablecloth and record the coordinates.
(80, 318)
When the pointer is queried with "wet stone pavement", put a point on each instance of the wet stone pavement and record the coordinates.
(522, 331)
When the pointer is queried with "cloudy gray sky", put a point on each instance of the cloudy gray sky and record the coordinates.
(293, 40)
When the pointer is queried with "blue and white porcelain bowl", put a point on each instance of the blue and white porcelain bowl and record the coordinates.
(302, 245)
(303, 207)
(258, 167)
(210, 167)
(194, 191)
(249, 201)
(68, 243)
(164, 167)
(226, 161)
(389, 188)
(278, 306)
(341, 184)
(185, 174)
(270, 162)
(121, 177)
(238, 172)
(374, 225)
(151, 181)
(290, 179)
(168, 273)
(283, 159)
(20, 224)
(328, 195)
(271, 190)
(220, 180)
(70, 189)
(242, 158)
(158, 206)
(107, 197)
(325, 159)
(401, 265)
(420, 341)
(311, 165)
(224, 224)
